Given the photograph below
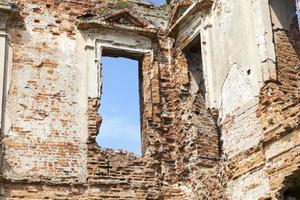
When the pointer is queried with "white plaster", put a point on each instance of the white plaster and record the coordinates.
(2, 66)
(230, 41)
(264, 38)
(250, 186)
(7, 124)
(93, 73)
(44, 20)
(66, 50)
(208, 68)
(225, 19)
(189, 30)
(283, 144)
(238, 89)
(80, 64)
(119, 38)
(243, 132)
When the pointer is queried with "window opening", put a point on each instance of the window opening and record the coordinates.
(120, 110)
(193, 56)
(298, 12)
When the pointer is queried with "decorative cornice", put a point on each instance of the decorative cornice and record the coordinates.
(177, 11)
(125, 13)
(202, 6)
(110, 21)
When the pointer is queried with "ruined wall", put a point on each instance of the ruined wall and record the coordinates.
(245, 50)
(190, 160)
(52, 120)
(236, 49)
(233, 133)
(43, 141)
(250, 63)
(241, 51)
(53, 101)
(238, 42)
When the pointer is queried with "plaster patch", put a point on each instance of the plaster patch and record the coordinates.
(249, 186)
(237, 90)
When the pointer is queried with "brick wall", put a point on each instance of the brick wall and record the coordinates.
(279, 111)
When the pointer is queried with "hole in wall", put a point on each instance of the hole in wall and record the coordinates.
(248, 71)
(292, 184)
(292, 194)
(120, 105)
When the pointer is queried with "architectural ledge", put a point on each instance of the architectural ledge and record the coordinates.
(5, 11)
(199, 6)
(5, 7)
(179, 10)
(120, 20)
(93, 24)
(126, 16)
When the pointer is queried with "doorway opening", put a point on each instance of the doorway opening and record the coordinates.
(120, 105)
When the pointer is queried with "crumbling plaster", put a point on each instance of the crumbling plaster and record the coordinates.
(247, 33)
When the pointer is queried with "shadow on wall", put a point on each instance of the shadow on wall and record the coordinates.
(283, 13)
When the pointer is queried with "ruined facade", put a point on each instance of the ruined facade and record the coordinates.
(220, 105)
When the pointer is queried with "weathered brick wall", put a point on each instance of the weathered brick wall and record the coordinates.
(44, 140)
(191, 158)
(261, 140)
(279, 111)
(43, 144)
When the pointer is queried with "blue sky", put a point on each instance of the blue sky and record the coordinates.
(158, 2)
(119, 109)
(298, 13)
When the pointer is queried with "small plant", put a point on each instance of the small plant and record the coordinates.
(122, 5)
(60, 1)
